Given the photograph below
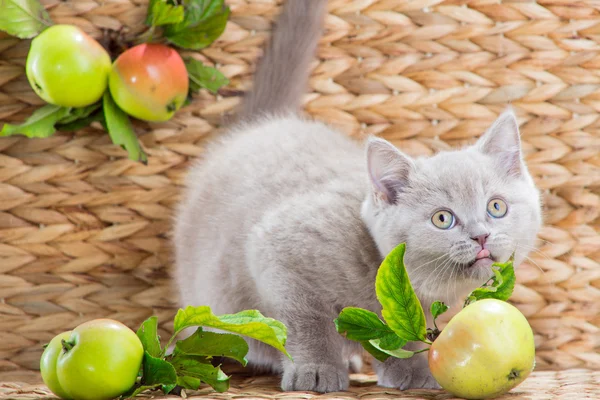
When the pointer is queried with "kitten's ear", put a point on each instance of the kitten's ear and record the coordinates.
(389, 169)
(502, 141)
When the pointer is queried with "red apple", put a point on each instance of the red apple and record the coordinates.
(149, 82)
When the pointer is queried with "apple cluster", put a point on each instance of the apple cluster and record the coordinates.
(68, 68)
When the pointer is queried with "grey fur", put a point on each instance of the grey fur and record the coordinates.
(290, 217)
(282, 73)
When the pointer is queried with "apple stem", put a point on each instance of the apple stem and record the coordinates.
(67, 346)
(151, 33)
(432, 334)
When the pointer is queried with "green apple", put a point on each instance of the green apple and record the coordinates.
(67, 67)
(485, 350)
(48, 364)
(149, 82)
(98, 360)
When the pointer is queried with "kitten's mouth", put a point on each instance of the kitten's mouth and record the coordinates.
(484, 253)
(483, 259)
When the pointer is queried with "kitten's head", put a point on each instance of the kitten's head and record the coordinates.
(458, 212)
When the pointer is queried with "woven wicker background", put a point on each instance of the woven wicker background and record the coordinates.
(84, 232)
(573, 384)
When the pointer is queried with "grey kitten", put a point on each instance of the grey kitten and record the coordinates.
(286, 216)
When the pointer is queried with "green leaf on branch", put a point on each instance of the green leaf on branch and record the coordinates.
(188, 382)
(397, 352)
(250, 323)
(198, 10)
(45, 121)
(211, 344)
(438, 308)
(163, 12)
(203, 23)
(359, 324)
(82, 122)
(203, 77)
(76, 114)
(500, 286)
(199, 368)
(402, 309)
(157, 371)
(391, 341)
(364, 326)
(148, 334)
(120, 129)
(137, 390)
(168, 388)
(24, 19)
(40, 124)
(372, 350)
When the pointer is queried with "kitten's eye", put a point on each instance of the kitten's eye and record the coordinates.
(443, 219)
(497, 208)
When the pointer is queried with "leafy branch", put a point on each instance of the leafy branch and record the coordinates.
(403, 316)
(187, 24)
(190, 362)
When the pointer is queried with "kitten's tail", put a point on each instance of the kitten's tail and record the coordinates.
(282, 74)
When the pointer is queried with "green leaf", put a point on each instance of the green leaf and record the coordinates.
(23, 18)
(398, 352)
(438, 308)
(359, 324)
(188, 382)
(402, 309)
(193, 367)
(137, 390)
(391, 341)
(82, 122)
(250, 323)
(167, 388)
(212, 344)
(40, 124)
(198, 10)
(205, 77)
(160, 12)
(499, 287)
(120, 130)
(157, 371)
(204, 22)
(78, 118)
(378, 354)
(148, 334)
(79, 113)
(362, 325)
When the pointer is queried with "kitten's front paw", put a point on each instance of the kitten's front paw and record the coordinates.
(407, 378)
(322, 378)
(355, 364)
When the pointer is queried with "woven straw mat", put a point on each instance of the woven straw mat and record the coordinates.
(84, 232)
(574, 384)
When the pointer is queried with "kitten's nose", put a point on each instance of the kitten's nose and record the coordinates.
(481, 239)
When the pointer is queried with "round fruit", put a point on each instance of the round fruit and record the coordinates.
(67, 67)
(98, 360)
(485, 350)
(48, 364)
(149, 82)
